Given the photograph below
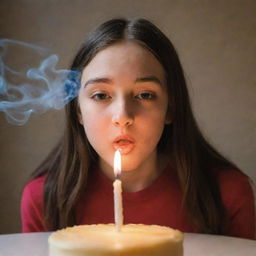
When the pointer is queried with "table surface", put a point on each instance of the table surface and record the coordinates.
(35, 244)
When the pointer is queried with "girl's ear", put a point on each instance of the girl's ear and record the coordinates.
(168, 120)
(169, 116)
(79, 115)
(80, 119)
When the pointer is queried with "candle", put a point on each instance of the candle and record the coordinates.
(118, 205)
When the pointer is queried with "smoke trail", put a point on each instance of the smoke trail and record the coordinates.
(32, 89)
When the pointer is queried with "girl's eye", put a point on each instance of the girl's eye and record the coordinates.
(146, 96)
(100, 96)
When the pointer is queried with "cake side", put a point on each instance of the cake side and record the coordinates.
(104, 240)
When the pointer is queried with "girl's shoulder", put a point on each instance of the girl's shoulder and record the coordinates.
(32, 205)
(35, 186)
(35, 182)
(234, 184)
(237, 193)
(230, 176)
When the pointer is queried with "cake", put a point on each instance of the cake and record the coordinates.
(105, 240)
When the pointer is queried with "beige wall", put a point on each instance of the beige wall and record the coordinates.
(216, 41)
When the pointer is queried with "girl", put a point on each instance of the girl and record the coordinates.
(133, 97)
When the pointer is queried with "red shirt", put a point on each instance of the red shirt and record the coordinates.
(159, 203)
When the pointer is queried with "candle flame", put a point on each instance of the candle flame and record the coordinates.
(117, 164)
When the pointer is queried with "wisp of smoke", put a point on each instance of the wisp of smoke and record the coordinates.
(36, 89)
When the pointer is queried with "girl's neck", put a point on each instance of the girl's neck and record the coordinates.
(139, 178)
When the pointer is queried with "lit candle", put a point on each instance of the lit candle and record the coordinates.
(118, 205)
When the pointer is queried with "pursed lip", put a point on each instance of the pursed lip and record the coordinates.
(124, 143)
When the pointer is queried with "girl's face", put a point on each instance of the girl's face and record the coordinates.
(123, 104)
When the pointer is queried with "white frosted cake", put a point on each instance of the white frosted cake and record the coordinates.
(105, 240)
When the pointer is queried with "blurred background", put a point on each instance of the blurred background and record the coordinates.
(216, 42)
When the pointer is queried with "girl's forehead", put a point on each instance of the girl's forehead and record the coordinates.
(126, 57)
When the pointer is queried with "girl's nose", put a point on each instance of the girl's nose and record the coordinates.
(122, 114)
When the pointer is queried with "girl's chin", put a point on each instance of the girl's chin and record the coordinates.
(129, 167)
(126, 170)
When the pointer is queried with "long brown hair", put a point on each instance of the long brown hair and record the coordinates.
(68, 164)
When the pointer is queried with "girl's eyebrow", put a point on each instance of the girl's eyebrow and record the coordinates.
(152, 78)
(106, 80)
(98, 80)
